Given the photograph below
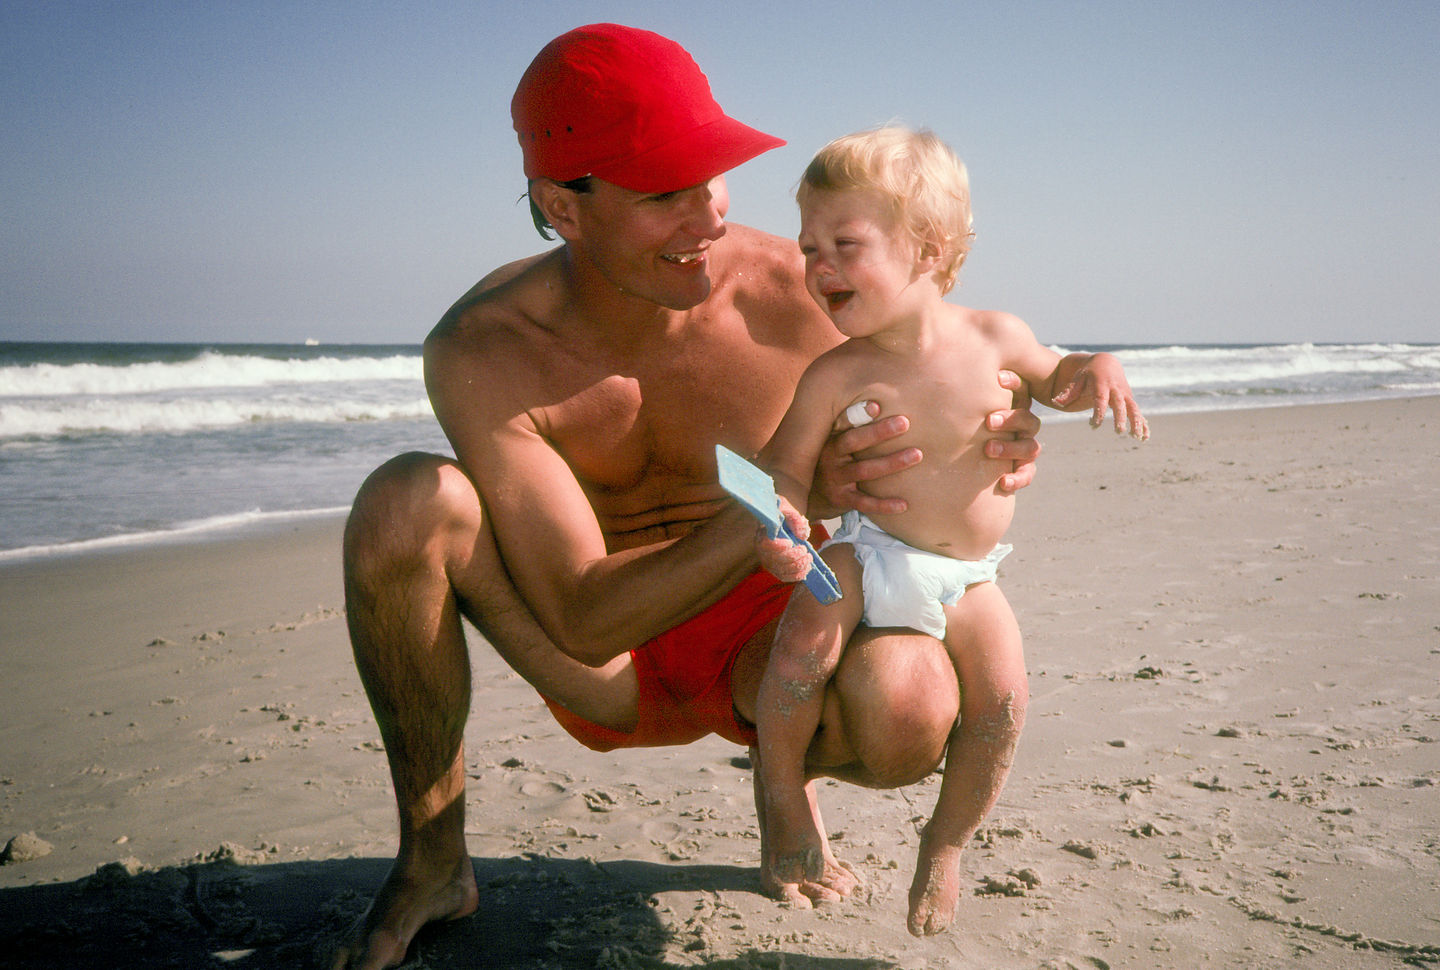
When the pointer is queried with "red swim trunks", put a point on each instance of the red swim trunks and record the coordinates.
(684, 674)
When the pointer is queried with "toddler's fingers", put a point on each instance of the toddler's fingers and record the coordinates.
(1122, 416)
(1097, 417)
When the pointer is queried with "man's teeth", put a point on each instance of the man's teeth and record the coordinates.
(682, 258)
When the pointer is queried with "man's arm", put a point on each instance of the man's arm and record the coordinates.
(594, 604)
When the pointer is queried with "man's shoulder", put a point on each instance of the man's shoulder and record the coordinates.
(765, 256)
(496, 308)
(766, 275)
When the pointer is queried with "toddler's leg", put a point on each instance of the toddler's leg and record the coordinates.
(983, 641)
(796, 865)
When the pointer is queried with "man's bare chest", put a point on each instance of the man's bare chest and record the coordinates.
(650, 426)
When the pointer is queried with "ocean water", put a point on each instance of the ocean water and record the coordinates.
(104, 444)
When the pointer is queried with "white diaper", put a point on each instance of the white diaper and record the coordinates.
(905, 586)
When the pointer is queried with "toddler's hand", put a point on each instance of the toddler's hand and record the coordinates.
(787, 561)
(1102, 381)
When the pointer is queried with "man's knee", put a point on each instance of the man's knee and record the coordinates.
(900, 700)
(403, 508)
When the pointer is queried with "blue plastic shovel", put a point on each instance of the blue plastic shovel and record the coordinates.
(755, 490)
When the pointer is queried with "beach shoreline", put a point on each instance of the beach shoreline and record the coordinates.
(1231, 755)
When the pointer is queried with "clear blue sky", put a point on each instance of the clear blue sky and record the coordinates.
(1142, 172)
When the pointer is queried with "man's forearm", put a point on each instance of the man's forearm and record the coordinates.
(619, 602)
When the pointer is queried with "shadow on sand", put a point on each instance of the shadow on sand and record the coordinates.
(534, 912)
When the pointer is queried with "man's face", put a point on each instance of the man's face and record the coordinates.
(655, 247)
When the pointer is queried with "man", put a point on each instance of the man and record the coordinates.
(582, 529)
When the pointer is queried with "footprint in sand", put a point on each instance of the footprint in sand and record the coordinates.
(661, 831)
(600, 800)
(539, 788)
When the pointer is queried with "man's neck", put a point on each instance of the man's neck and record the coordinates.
(610, 314)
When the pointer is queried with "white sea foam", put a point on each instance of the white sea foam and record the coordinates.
(125, 414)
(207, 370)
(180, 531)
(109, 444)
(206, 390)
(1166, 368)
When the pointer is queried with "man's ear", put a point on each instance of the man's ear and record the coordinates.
(559, 206)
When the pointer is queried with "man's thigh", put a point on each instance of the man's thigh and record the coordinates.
(607, 695)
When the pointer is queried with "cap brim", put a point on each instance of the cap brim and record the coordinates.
(691, 159)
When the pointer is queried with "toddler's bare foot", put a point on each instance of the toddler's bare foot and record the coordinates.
(805, 879)
(936, 890)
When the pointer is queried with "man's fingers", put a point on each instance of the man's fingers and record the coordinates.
(869, 469)
(1020, 422)
(1020, 478)
(856, 415)
(1021, 449)
(868, 435)
(1020, 392)
(870, 505)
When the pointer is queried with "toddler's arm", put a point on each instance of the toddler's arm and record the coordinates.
(1071, 383)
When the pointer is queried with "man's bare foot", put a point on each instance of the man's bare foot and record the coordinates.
(935, 892)
(405, 903)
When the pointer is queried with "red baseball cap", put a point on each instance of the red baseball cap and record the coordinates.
(628, 106)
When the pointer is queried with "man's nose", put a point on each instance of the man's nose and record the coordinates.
(707, 211)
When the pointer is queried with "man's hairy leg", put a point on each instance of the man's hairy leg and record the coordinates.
(411, 655)
(417, 552)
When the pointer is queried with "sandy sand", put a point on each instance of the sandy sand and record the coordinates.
(1231, 759)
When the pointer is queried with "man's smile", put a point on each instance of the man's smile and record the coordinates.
(684, 259)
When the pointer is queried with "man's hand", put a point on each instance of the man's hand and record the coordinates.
(1018, 420)
(839, 475)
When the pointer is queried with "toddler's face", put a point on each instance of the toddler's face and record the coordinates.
(859, 260)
